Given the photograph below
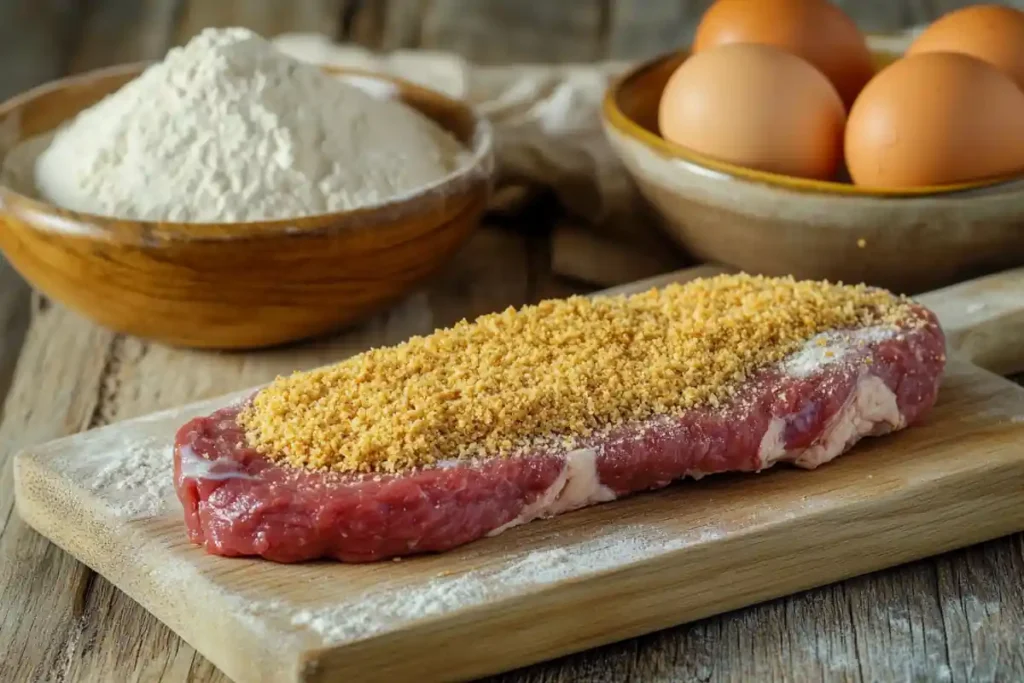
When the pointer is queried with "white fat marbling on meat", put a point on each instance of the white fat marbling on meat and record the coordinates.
(773, 444)
(871, 410)
(871, 407)
(578, 485)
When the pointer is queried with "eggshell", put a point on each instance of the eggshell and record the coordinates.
(992, 33)
(755, 106)
(815, 30)
(935, 119)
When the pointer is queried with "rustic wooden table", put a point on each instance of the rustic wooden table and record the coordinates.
(958, 617)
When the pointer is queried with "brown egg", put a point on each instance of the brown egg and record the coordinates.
(992, 33)
(935, 119)
(755, 106)
(816, 30)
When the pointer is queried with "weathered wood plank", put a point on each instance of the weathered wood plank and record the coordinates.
(641, 29)
(14, 318)
(363, 23)
(982, 606)
(953, 618)
(489, 31)
(125, 643)
(806, 638)
(40, 586)
(898, 625)
(120, 31)
(34, 41)
(402, 23)
(35, 38)
(267, 17)
(42, 590)
(203, 671)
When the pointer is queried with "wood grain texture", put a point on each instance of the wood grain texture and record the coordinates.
(125, 31)
(275, 281)
(468, 28)
(36, 41)
(928, 500)
(514, 30)
(979, 316)
(14, 319)
(266, 17)
(35, 46)
(641, 29)
(42, 591)
(916, 623)
(402, 22)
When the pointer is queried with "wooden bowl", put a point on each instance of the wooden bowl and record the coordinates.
(236, 285)
(775, 225)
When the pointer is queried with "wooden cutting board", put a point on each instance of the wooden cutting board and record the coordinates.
(583, 579)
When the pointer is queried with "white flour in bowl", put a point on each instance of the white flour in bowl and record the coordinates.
(229, 129)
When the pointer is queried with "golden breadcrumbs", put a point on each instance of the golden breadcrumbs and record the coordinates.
(560, 369)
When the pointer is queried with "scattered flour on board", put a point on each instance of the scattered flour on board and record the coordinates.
(391, 606)
(137, 480)
(227, 128)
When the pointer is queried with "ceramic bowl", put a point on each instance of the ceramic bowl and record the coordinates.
(236, 285)
(775, 225)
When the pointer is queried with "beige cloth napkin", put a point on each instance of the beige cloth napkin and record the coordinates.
(548, 135)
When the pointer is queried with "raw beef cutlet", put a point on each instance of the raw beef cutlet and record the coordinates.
(805, 409)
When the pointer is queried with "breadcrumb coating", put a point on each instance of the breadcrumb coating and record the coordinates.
(557, 370)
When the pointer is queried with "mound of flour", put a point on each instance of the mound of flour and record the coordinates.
(228, 129)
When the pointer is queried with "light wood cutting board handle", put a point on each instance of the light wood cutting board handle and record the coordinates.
(983, 318)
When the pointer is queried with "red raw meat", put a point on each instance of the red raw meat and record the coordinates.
(806, 410)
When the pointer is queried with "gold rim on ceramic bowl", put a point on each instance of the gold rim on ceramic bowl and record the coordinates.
(775, 225)
(660, 68)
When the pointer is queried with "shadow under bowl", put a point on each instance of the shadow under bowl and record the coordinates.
(237, 285)
(764, 223)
